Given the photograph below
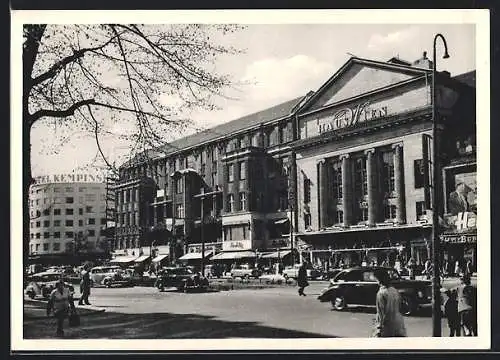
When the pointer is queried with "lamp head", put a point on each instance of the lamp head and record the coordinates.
(446, 55)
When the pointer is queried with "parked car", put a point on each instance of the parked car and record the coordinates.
(213, 270)
(293, 271)
(99, 273)
(245, 272)
(182, 278)
(42, 284)
(358, 286)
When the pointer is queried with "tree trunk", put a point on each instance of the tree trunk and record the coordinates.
(27, 181)
(34, 34)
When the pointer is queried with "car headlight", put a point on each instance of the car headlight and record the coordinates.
(420, 294)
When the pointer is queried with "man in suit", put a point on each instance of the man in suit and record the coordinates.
(457, 201)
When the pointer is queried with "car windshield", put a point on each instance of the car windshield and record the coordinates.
(54, 277)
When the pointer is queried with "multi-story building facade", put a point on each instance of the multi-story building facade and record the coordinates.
(345, 166)
(67, 219)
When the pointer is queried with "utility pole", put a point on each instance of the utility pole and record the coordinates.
(202, 232)
(436, 293)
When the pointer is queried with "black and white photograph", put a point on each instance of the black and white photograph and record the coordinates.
(200, 180)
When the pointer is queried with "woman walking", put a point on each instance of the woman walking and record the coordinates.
(389, 321)
(60, 302)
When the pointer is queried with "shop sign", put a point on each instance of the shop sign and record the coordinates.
(237, 245)
(348, 117)
(276, 243)
(459, 238)
(462, 221)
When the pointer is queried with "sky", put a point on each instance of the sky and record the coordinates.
(282, 62)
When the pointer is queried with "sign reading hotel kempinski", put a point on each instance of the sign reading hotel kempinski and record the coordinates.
(68, 178)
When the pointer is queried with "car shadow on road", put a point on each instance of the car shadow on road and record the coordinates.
(112, 325)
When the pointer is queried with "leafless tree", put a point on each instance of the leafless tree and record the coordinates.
(97, 79)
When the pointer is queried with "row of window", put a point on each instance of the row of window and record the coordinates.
(242, 202)
(58, 189)
(67, 222)
(389, 214)
(242, 171)
(68, 211)
(68, 199)
(67, 234)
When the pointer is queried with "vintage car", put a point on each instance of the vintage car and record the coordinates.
(109, 276)
(245, 272)
(293, 271)
(42, 284)
(358, 286)
(182, 278)
(330, 274)
(214, 271)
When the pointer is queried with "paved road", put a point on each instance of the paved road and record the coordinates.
(145, 313)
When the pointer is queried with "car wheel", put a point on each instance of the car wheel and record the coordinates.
(407, 305)
(31, 295)
(285, 276)
(339, 303)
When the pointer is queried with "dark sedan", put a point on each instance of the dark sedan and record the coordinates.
(358, 286)
(182, 278)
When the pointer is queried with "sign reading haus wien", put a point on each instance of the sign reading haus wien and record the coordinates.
(350, 117)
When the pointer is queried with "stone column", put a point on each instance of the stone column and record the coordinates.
(346, 189)
(322, 192)
(399, 186)
(372, 186)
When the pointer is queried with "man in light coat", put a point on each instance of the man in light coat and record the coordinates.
(389, 321)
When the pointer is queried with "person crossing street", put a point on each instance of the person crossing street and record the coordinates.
(85, 286)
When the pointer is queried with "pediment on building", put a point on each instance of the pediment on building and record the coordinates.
(359, 76)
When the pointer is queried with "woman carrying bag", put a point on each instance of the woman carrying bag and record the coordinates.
(61, 303)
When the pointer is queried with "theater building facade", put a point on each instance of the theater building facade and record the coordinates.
(364, 161)
(345, 167)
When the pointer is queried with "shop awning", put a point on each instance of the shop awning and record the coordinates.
(123, 259)
(159, 258)
(277, 254)
(234, 255)
(142, 258)
(195, 255)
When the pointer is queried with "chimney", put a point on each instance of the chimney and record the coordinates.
(423, 62)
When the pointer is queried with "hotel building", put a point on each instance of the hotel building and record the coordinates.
(67, 219)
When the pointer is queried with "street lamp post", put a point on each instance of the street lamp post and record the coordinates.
(436, 296)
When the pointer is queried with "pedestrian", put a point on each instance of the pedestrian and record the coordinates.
(457, 268)
(85, 286)
(302, 279)
(411, 268)
(451, 312)
(389, 321)
(469, 268)
(467, 306)
(427, 269)
(60, 302)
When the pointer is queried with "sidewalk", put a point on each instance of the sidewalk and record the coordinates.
(37, 309)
